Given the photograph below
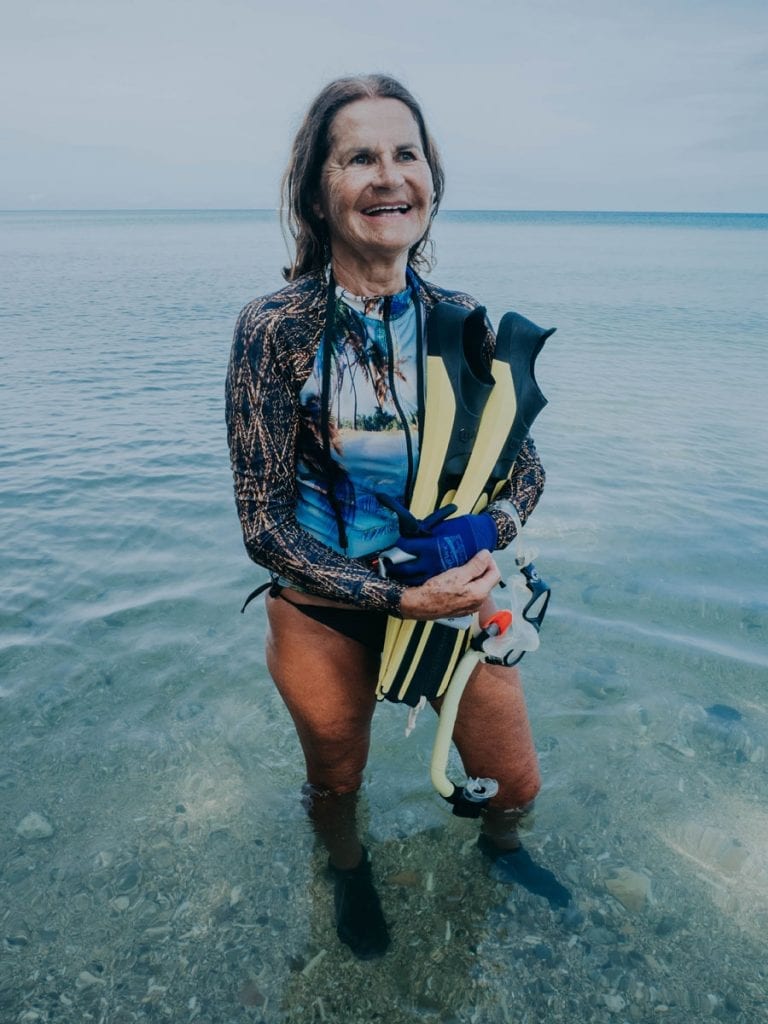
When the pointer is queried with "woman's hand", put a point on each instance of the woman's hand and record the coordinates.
(458, 591)
(446, 545)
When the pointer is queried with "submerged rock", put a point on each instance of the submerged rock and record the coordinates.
(86, 980)
(250, 994)
(16, 934)
(596, 686)
(711, 848)
(34, 826)
(630, 888)
(599, 936)
(725, 731)
(724, 712)
(668, 925)
(408, 879)
(129, 877)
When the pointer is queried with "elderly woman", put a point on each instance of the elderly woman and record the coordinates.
(362, 187)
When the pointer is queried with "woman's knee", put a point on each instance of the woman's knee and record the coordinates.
(495, 740)
(521, 788)
(337, 777)
(336, 758)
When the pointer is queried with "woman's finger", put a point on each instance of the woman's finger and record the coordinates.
(458, 591)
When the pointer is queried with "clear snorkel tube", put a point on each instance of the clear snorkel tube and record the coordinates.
(502, 640)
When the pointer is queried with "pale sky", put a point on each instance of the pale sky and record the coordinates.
(551, 104)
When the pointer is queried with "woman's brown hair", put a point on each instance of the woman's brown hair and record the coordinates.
(301, 181)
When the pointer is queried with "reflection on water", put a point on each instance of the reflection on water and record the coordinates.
(156, 863)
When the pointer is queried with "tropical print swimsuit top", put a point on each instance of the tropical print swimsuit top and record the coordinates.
(372, 441)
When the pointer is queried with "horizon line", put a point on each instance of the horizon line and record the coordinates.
(463, 209)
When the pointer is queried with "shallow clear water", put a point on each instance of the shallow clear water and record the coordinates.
(181, 881)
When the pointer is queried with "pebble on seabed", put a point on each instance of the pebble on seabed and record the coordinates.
(34, 826)
(631, 888)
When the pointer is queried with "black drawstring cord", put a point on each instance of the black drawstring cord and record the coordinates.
(329, 336)
(274, 591)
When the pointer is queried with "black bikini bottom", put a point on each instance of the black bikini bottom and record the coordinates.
(367, 627)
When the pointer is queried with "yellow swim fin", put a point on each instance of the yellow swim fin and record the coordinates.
(419, 657)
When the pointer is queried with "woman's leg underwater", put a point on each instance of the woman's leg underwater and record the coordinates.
(327, 682)
(493, 736)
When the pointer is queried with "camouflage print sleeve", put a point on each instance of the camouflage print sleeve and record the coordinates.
(523, 489)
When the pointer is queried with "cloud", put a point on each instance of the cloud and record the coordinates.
(551, 105)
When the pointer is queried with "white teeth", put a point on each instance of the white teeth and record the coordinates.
(387, 209)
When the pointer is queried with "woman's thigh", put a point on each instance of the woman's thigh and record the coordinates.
(493, 735)
(328, 683)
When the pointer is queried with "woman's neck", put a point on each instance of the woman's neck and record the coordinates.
(372, 279)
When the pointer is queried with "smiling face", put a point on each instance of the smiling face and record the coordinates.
(376, 187)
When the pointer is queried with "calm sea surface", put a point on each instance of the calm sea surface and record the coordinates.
(167, 872)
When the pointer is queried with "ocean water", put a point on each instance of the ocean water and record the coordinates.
(167, 872)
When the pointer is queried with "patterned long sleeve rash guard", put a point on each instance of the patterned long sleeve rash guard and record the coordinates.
(273, 352)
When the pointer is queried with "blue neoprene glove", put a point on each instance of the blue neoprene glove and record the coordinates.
(437, 543)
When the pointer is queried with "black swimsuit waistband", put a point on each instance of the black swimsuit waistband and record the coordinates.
(361, 624)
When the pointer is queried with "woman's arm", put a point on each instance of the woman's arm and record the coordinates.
(523, 489)
(460, 591)
(262, 427)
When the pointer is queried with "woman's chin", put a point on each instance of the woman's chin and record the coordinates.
(381, 244)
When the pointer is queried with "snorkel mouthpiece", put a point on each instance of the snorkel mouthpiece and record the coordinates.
(470, 801)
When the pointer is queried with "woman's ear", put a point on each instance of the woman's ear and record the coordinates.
(317, 209)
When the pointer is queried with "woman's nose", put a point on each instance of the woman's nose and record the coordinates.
(390, 173)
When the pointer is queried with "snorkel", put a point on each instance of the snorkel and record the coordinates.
(503, 639)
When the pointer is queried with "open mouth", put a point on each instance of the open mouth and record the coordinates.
(386, 210)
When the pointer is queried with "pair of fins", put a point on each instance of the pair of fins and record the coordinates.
(475, 423)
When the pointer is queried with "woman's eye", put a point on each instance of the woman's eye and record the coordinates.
(407, 154)
(361, 158)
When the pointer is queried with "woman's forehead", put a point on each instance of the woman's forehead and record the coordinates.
(374, 121)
